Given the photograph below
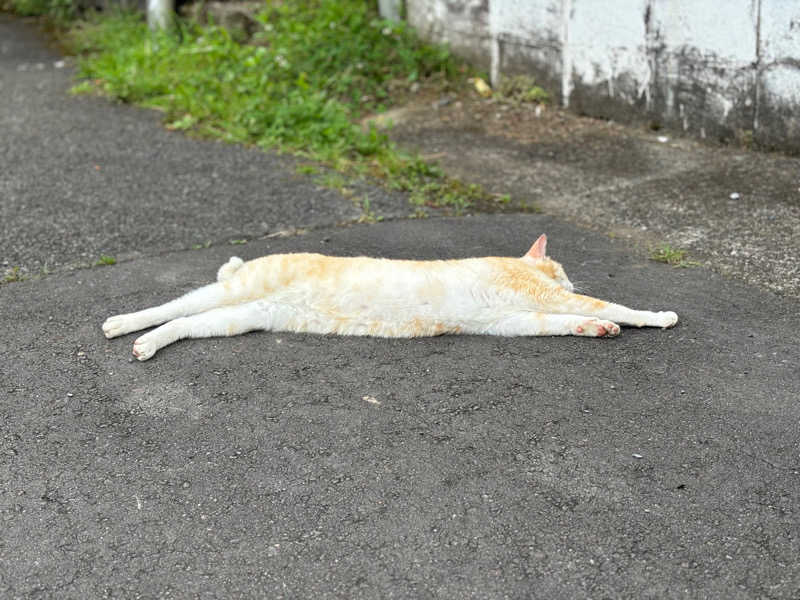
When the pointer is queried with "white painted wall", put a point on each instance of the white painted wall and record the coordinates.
(464, 24)
(779, 68)
(723, 69)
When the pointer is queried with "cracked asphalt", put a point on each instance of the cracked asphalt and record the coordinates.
(659, 464)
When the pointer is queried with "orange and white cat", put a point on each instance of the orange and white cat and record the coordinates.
(385, 298)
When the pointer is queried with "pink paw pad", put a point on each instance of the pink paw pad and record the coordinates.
(597, 328)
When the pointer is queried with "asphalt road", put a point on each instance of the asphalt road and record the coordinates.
(84, 177)
(659, 464)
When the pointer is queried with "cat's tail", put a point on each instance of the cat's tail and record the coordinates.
(227, 270)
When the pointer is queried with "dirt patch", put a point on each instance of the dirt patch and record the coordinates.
(735, 210)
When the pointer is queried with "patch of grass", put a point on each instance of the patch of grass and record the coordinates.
(419, 213)
(59, 11)
(335, 181)
(105, 261)
(306, 170)
(206, 244)
(530, 207)
(13, 275)
(521, 88)
(84, 87)
(672, 256)
(367, 214)
(459, 197)
(310, 73)
(237, 242)
(448, 193)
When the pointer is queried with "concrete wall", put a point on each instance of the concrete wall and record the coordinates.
(715, 69)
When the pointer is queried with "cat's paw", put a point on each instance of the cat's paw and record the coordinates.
(667, 319)
(144, 347)
(116, 325)
(596, 328)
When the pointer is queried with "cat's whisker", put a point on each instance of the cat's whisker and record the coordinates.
(579, 287)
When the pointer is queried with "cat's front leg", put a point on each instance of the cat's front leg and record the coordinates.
(533, 323)
(638, 318)
(586, 305)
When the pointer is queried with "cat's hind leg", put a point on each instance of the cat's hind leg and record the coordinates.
(224, 321)
(533, 323)
(199, 300)
(196, 301)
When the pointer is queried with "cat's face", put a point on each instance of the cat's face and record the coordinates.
(538, 258)
(561, 277)
(554, 271)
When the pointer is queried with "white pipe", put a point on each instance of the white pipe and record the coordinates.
(159, 13)
(566, 53)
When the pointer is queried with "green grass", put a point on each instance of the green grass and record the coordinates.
(302, 84)
(306, 170)
(12, 275)
(105, 261)
(60, 11)
(672, 256)
(367, 214)
(521, 89)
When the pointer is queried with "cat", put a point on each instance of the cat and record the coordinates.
(314, 293)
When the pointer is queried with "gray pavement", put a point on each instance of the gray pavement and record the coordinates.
(84, 176)
(659, 464)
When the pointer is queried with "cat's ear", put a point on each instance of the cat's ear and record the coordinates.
(538, 248)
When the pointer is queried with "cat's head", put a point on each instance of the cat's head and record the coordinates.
(537, 258)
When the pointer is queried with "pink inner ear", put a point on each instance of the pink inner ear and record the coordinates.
(538, 248)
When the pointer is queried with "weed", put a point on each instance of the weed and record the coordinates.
(532, 207)
(84, 87)
(521, 88)
(672, 256)
(367, 214)
(206, 244)
(187, 121)
(237, 242)
(419, 213)
(13, 274)
(450, 194)
(335, 181)
(105, 261)
(306, 170)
